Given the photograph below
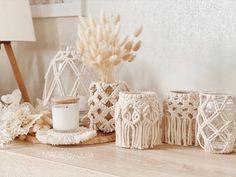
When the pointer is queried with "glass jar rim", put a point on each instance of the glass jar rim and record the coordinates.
(215, 93)
(182, 91)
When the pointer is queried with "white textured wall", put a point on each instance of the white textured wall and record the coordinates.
(187, 44)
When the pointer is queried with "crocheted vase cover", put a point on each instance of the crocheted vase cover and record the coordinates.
(138, 120)
(57, 138)
(180, 111)
(217, 122)
(102, 100)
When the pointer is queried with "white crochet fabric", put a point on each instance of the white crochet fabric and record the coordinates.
(217, 122)
(57, 138)
(66, 64)
(180, 111)
(138, 120)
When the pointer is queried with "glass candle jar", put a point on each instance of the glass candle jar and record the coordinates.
(217, 122)
(65, 114)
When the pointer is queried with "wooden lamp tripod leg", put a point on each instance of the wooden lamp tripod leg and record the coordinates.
(16, 71)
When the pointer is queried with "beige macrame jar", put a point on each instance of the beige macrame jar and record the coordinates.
(179, 120)
(102, 100)
(217, 122)
(138, 120)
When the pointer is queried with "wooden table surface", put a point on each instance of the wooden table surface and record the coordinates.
(32, 160)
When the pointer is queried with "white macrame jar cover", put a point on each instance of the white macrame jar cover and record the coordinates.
(66, 64)
(138, 120)
(102, 100)
(217, 122)
(179, 120)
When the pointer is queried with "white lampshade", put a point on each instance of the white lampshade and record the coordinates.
(16, 21)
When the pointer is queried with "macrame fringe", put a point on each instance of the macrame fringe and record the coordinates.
(140, 136)
(180, 131)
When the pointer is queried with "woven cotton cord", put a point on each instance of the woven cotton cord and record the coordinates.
(180, 110)
(102, 104)
(208, 128)
(137, 122)
(66, 58)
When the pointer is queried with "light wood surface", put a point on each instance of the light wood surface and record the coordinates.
(16, 70)
(101, 138)
(27, 159)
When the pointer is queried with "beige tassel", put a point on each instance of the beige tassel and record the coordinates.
(101, 46)
(105, 34)
(93, 43)
(114, 59)
(117, 19)
(128, 45)
(137, 46)
(92, 23)
(93, 53)
(99, 33)
(129, 57)
(99, 59)
(117, 30)
(108, 28)
(103, 19)
(138, 31)
(123, 41)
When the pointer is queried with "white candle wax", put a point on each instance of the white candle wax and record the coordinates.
(65, 117)
(83, 104)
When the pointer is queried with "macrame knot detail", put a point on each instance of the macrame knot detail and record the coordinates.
(216, 122)
(180, 111)
(103, 97)
(138, 120)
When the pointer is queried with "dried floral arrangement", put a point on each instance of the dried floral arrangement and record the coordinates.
(20, 120)
(15, 119)
(102, 47)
